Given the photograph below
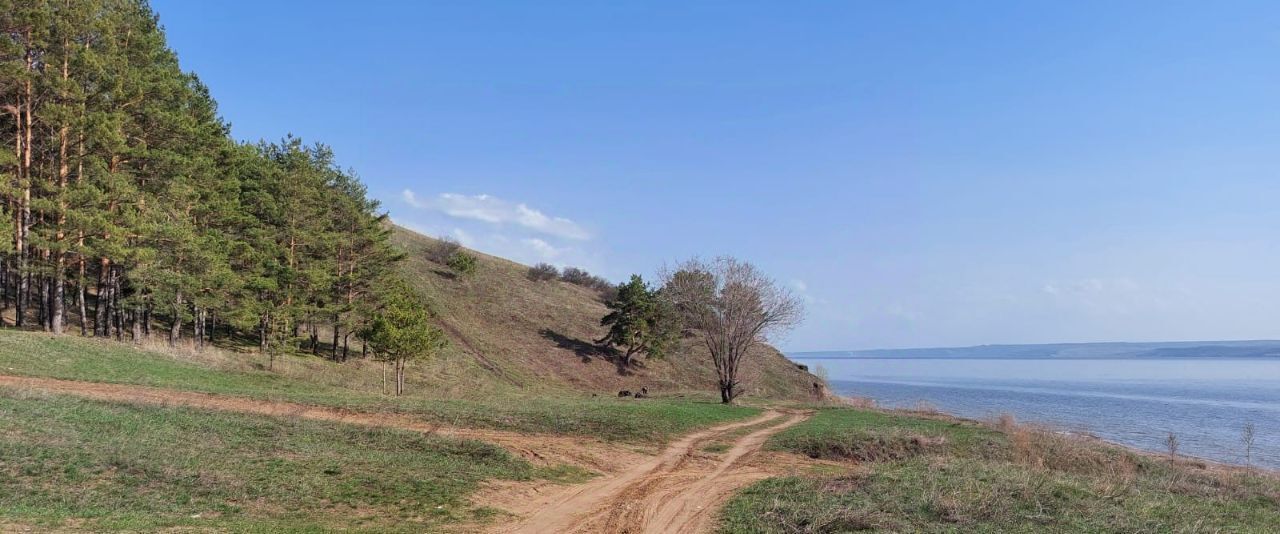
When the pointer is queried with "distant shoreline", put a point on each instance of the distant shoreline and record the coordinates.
(1253, 349)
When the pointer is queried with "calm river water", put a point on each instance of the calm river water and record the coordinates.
(1137, 402)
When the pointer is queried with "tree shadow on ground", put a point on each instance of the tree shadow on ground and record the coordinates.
(587, 350)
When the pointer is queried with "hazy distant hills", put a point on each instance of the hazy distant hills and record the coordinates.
(1171, 349)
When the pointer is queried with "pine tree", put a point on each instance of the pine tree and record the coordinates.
(401, 330)
(639, 321)
(126, 203)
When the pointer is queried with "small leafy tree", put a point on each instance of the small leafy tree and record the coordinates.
(639, 321)
(463, 263)
(401, 330)
(543, 272)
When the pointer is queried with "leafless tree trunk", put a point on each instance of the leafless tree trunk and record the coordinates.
(732, 306)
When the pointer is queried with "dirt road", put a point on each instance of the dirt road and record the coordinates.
(676, 491)
(539, 449)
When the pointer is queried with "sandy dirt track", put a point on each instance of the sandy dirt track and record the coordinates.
(678, 490)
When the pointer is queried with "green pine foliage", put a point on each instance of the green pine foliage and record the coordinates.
(401, 329)
(463, 262)
(129, 212)
(640, 321)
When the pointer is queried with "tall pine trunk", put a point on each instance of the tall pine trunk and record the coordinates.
(64, 169)
(333, 351)
(101, 327)
(117, 313)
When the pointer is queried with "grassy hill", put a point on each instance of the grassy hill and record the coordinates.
(506, 330)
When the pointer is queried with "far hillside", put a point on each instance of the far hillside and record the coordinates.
(508, 330)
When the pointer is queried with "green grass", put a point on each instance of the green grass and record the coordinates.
(66, 462)
(862, 435)
(970, 478)
(321, 383)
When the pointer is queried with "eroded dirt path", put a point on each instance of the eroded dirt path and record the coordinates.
(677, 491)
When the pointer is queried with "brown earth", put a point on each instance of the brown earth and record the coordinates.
(678, 490)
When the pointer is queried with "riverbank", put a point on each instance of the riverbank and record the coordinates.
(920, 471)
(1204, 403)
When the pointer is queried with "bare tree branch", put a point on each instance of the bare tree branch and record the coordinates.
(732, 306)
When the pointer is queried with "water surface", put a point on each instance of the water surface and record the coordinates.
(1138, 402)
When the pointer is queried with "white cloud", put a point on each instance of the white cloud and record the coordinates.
(464, 237)
(544, 249)
(901, 311)
(493, 210)
(801, 290)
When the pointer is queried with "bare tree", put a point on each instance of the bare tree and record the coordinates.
(1246, 437)
(732, 306)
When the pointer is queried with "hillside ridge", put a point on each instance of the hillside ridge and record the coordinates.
(506, 330)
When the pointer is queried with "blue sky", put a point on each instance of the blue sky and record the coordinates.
(922, 173)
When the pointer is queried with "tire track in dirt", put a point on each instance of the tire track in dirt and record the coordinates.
(677, 491)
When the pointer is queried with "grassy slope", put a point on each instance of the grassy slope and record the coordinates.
(355, 385)
(95, 466)
(509, 331)
(913, 474)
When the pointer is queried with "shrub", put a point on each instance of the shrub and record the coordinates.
(463, 263)
(444, 250)
(543, 272)
(576, 276)
(606, 290)
(581, 277)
